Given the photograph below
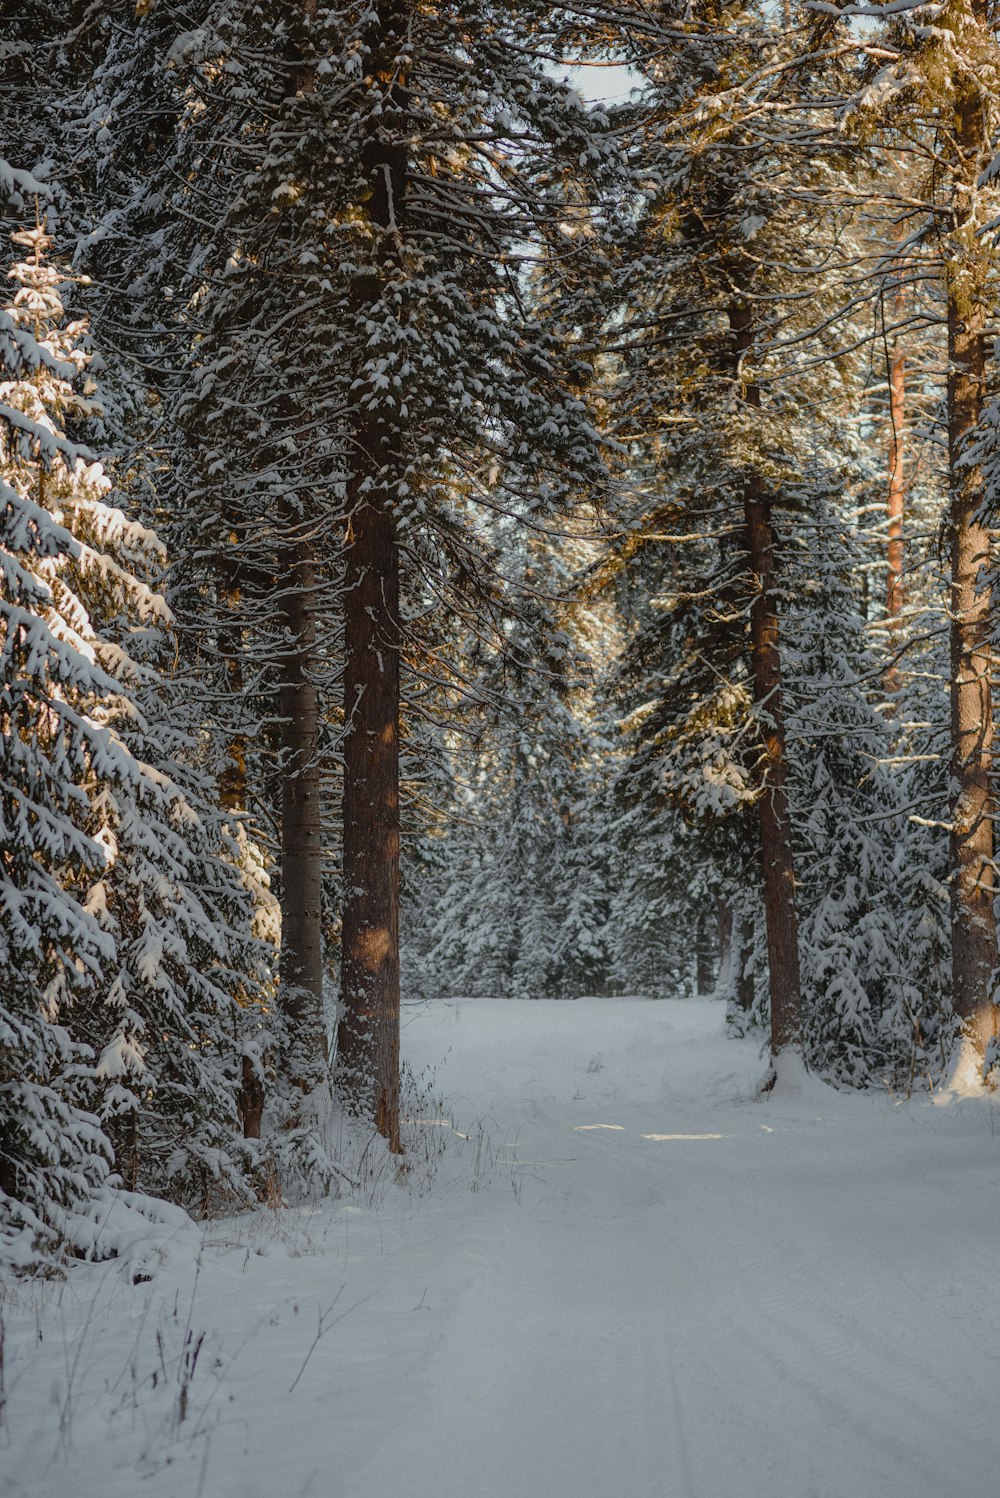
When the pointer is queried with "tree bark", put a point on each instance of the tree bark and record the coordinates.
(368, 1044)
(894, 506)
(780, 912)
(744, 979)
(774, 820)
(704, 974)
(305, 1059)
(896, 498)
(897, 489)
(973, 923)
(301, 894)
(725, 982)
(368, 1036)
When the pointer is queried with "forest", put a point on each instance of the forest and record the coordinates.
(469, 530)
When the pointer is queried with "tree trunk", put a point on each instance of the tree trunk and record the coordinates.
(368, 1036)
(973, 923)
(744, 978)
(233, 775)
(777, 864)
(897, 494)
(725, 984)
(305, 1059)
(703, 956)
(896, 498)
(368, 1045)
(233, 781)
(775, 822)
(301, 961)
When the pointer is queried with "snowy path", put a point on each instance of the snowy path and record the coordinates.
(798, 1307)
(659, 1289)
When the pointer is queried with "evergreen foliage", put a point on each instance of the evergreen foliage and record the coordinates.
(603, 497)
(128, 923)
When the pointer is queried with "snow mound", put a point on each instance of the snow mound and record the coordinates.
(964, 1077)
(796, 1087)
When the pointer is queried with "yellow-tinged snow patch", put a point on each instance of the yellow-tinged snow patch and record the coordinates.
(964, 1077)
(659, 1137)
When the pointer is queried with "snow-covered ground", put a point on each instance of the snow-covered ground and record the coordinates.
(631, 1278)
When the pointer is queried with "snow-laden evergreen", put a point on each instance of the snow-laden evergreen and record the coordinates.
(510, 892)
(324, 364)
(127, 920)
(400, 355)
(56, 758)
(863, 963)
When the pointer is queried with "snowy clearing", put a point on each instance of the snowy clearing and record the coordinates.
(630, 1278)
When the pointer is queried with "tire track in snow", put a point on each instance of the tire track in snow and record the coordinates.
(779, 1333)
(703, 1317)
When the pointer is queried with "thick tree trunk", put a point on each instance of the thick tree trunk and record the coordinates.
(301, 961)
(973, 923)
(774, 821)
(368, 1036)
(368, 1045)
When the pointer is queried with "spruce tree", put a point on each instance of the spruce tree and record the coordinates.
(126, 914)
(941, 101)
(365, 188)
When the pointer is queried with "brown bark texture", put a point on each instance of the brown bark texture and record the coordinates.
(896, 497)
(305, 1060)
(774, 820)
(368, 1041)
(742, 952)
(895, 504)
(973, 923)
(368, 1034)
